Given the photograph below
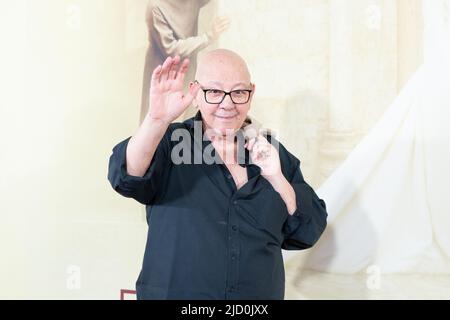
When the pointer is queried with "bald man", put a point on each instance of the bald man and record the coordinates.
(221, 201)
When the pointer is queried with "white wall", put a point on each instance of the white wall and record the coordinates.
(74, 95)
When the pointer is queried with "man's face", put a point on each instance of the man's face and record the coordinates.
(226, 75)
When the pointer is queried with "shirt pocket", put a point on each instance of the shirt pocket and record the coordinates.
(267, 212)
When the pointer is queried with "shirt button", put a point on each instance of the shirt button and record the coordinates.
(233, 257)
(234, 227)
(235, 202)
(229, 176)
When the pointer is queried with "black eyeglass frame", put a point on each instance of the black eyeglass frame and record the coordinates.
(226, 94)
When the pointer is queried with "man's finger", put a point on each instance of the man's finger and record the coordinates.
(250, 144)
(156, 75)
(165, 68)
(183, 70)
(193, 90)
(171, 74)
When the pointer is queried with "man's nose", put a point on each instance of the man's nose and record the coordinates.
(227, 103)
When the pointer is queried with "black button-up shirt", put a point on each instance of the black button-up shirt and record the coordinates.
(207, 239)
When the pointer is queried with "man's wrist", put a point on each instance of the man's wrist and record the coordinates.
(281, 185)
(276, 179)
(156, 122)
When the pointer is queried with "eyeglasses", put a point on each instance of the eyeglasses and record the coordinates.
(216, 96)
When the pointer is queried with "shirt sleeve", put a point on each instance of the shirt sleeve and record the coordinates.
(169, 43)
(302, 229)
(143, 189)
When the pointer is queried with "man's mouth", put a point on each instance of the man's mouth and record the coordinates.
(225, 117)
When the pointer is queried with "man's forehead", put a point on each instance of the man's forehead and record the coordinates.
(223, 66)
(219, 83)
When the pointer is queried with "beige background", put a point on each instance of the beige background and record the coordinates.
(325, 72)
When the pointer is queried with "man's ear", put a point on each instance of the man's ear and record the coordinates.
(253, 91)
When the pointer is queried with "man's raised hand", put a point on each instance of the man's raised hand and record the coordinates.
(167, 99)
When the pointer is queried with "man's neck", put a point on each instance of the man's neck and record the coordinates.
(226, 147)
